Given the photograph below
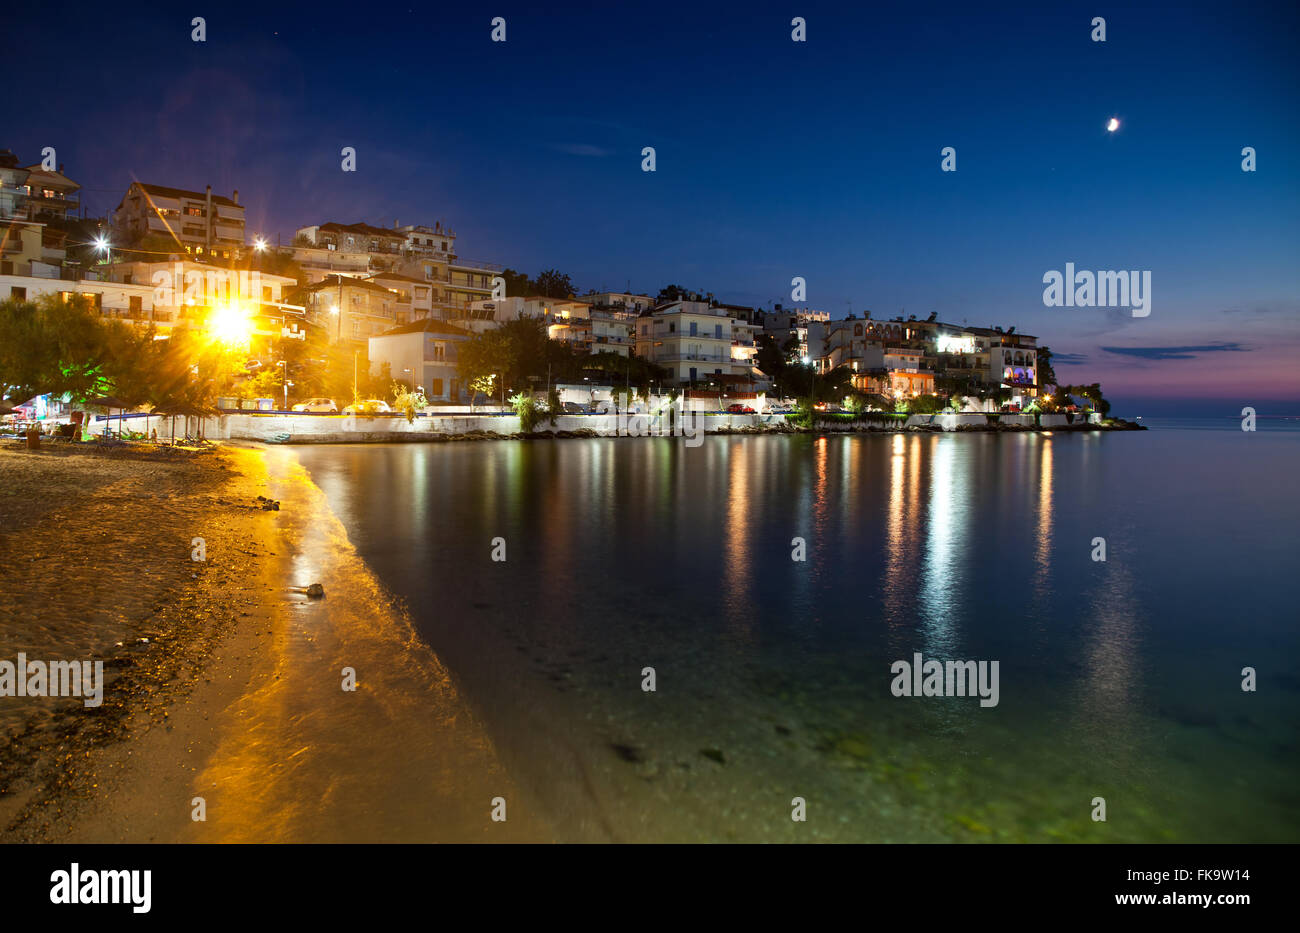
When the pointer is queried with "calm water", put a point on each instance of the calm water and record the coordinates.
(1119, 679)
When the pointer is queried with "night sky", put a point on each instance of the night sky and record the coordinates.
(775, 158)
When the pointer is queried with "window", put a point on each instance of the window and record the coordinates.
(19, 293)
(437, 388)
(717, 331)
(672, 328)
(266, 293)
(194, 211)
(694, 328)
(137, 304)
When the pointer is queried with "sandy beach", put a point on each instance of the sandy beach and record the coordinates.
(222, 681)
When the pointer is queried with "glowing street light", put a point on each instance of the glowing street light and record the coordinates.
(231, 324)
(259, 244)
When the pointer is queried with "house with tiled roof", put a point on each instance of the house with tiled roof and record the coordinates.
(423, 353)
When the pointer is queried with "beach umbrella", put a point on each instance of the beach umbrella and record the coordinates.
(110, 402)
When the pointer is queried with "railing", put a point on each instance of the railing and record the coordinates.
(690, 357)
(454, 260)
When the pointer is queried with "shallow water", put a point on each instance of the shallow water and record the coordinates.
(1118, 679)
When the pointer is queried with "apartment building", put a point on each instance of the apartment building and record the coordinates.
(112, 299)
(425, 253)
(690, 339)
(353, 309)
(620, 301)
(205, 225)
(13, 186)
(51, 195)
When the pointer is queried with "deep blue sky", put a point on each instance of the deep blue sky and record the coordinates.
(775, 158)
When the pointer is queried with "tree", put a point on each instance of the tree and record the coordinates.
(834, 385)
(631, 370)
(52, 346)
(1046, 375)
(925, 405)
(487, 356)
(781, 364)
(483, 385)
(553, 284)
(518, 284)
(677, 293)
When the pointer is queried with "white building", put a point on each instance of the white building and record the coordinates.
(423, 353)
(690, 339)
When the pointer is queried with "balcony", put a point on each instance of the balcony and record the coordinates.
(475, 264)
(690, 357)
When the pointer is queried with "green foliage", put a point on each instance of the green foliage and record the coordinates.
(1046, 375)
(518, 353)
(550, 283)
(802, 416)
(52, 346)
(677, 293)
(925, 405)
(266, 384)
(553, 284)
(530, 413)
(554, 407)
(408, 401)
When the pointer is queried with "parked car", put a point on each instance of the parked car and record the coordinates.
(323, 405)
(573, 408)
(371, 406)
(738, 409)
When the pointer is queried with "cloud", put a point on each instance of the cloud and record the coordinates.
(1068, 357)
(581, 149)
(1175, 353)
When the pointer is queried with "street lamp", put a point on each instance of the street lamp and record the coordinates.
(102, 245)
(285, 364)
(812, 381)
(259, 244)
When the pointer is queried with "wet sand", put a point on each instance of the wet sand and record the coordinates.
(237, 695)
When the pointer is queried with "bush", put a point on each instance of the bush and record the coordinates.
(408, 401)
(530, 413)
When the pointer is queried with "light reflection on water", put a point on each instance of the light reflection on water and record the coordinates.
(960, 547)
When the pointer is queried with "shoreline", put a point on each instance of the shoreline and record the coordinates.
(236, 694)
(751, 430)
